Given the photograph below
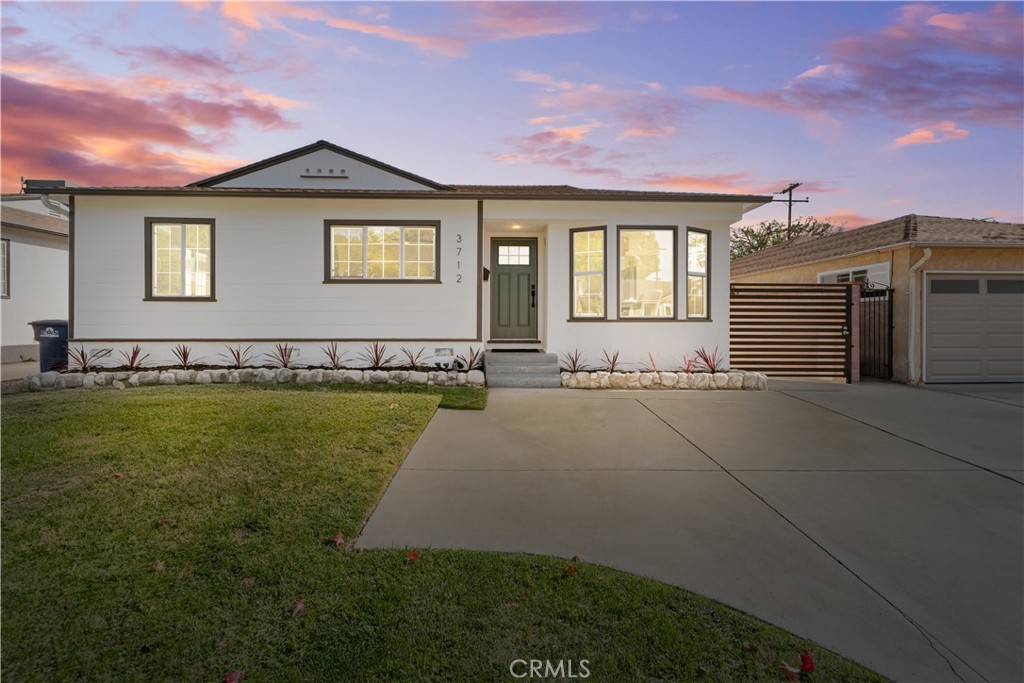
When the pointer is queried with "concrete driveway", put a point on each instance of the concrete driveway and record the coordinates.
(882, 521)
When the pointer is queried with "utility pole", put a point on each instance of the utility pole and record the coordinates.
(790, 201)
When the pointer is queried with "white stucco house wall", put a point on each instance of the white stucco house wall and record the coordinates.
(321, 244)
(34, 270)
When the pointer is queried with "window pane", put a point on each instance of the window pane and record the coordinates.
(348, 252)
(696, 297)
(1004, 286)
(197, 260)
(697, 252)
(390, 252)
(167, 264)
(589, 296)
(513, 255)
(646, 266)
(954, 286)
(418, 246)
(588, 274)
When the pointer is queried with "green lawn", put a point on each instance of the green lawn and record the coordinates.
(165, 534)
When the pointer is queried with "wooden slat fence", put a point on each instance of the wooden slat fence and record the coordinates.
(789, 330)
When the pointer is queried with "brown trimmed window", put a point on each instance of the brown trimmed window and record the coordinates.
(647, 272)
(698, 250)
(364, 251)
(588, 272)
(179, 259)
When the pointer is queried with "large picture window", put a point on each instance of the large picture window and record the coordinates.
(698, 245)
(647, 272)
(588, 272)
(179, 258)
(366, 251)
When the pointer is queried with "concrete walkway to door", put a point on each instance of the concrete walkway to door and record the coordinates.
(882, 521)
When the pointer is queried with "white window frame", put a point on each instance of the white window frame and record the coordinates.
(150, 245)
(674, 291)
(603, 272)
(706, 275)
(832, 276)
(401, 225)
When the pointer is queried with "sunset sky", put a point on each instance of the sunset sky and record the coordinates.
(880, 109)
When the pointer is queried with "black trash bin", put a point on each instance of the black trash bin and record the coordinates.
(52, 336)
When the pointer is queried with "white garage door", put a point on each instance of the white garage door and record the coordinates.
(974, 328)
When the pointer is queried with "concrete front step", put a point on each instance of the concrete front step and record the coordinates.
(534, 370)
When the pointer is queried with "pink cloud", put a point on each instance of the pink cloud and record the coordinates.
(514, 20)
(925, 66)
(716, 182)
(61, 120)
(639, 112)
(928, 135)
(485, 22)
(176, 59)
(850, 219)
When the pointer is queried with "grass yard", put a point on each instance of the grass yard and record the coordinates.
(168, 533)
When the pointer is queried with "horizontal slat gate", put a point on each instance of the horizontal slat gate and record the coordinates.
(788, 330)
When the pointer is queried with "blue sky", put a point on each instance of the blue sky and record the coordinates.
(881, 109)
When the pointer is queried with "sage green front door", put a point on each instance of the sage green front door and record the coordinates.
(513, 288)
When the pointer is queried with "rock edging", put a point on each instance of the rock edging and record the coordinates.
(125, 379)
(733, 379)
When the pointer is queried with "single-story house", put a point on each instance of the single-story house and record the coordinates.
(323, 244)
(957, 287)
(34, 264)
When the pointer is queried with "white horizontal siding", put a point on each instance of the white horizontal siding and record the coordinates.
(39, 284)
(269, 273)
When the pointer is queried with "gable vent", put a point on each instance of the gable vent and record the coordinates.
(324, 173)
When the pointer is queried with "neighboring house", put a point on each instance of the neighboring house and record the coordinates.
(34, 263)
(958, 288)
(323, 244)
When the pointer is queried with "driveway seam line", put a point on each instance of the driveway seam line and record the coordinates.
(903, 438)
(932, 640)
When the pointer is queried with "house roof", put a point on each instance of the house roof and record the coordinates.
(308, 149)
(30, 220)
(910, 229)
(549, 192)
(432, 190)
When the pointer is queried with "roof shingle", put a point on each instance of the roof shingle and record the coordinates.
(923, 230)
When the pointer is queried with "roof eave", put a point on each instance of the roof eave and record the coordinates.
(748, 201)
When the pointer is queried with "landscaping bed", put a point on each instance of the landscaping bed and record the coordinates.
(168, 533)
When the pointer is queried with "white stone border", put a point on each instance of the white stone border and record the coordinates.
(126, 379)
(734, 379)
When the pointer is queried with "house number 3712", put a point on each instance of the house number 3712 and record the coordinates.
(458, 258)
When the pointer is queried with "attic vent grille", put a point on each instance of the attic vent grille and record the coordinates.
(321, 173)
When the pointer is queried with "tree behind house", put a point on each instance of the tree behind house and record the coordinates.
(751, 239)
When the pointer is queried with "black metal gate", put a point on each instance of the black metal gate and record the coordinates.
(875, 331)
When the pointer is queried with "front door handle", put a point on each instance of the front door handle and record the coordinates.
(533, 296)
